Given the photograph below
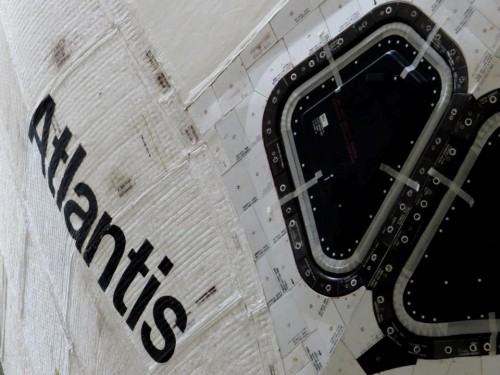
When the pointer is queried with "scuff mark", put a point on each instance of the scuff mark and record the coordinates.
(60, 53)
(190, 134)
(122, 184)
(206, 295)
(161, 78)
(259, 48)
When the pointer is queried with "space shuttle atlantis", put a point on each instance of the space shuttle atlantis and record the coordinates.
(264, 187)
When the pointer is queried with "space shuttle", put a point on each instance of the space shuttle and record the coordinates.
(280, 187)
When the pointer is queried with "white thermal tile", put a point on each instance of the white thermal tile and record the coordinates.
(232, 137)
(316, 3)
(320, 314)
(367, 5)
(271, 218)
(250, 112)
(490, 364)
(479, 59)
(305, 38)
(255, 234)
(331, 327)
(347, 305)
(363, 331)
(429, 6)
(464, 15)
(240, 188)
(490, 80)
(434, 367)
(490, 10)
(205, 111)
(311, 304)
(272, 289)
(317, 350)
(296, 360)
(308, 370)
(232, 86)
(454, 8)
(217, 151)
(264, 40)
(289, 324)
(406, 370)
(269, 69)
(292, 13)
(258, 169)
(340, 14)
(343, 362)
(465, 366)
(281, 259)
(485, 31)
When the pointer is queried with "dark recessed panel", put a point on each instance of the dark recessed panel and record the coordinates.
(458, 275)
(373, 119)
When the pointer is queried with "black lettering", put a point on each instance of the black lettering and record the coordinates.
(59, 155)
(46, 108)
(164, 354)
(143, 300)
(74, 164)
(165, 266)
(147, 293)
(137, 265)
(88, 217)
(104, 228)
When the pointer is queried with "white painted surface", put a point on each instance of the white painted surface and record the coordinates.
(187, 28)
